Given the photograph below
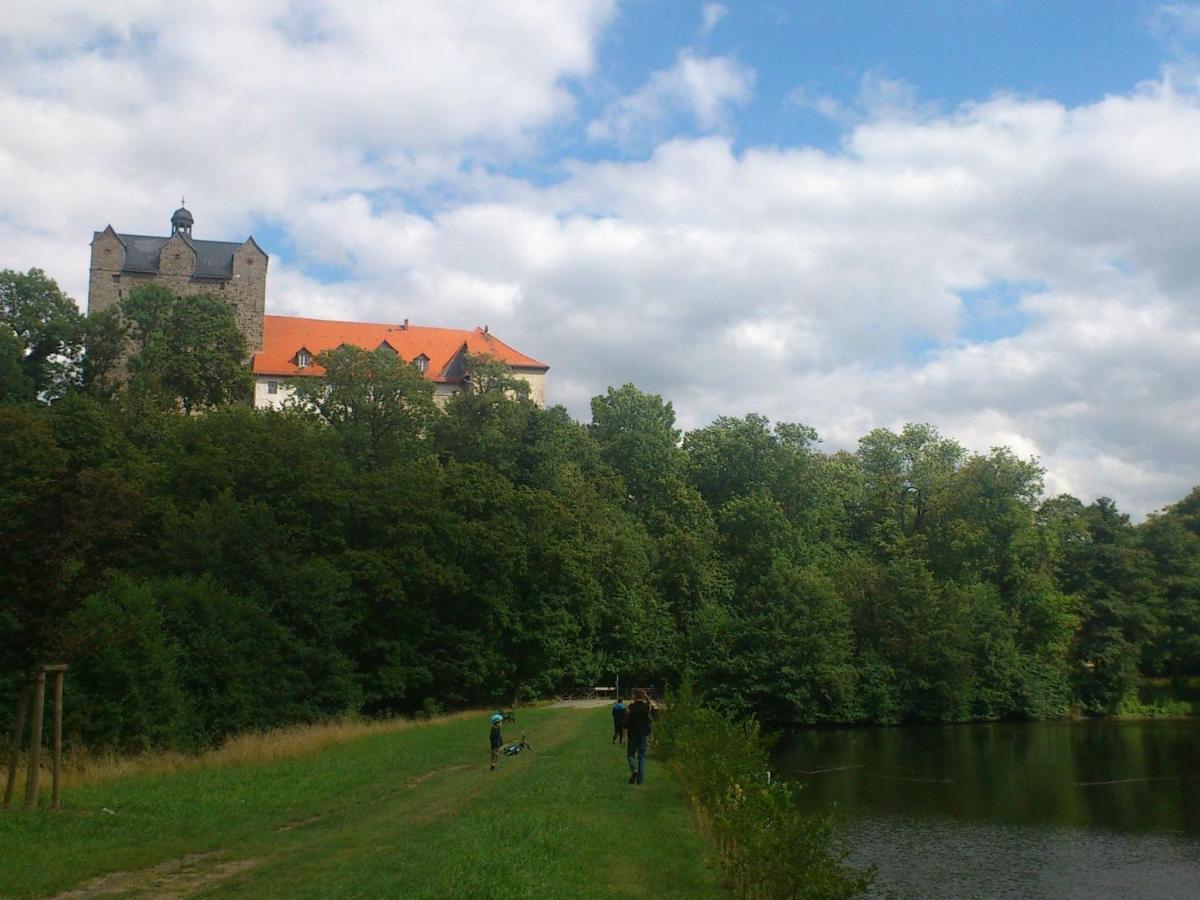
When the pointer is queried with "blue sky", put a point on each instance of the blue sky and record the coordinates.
(980, 215)
(948, 51)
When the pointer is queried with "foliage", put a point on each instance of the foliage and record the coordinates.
(41, 336)
(366, 551)
(380, 406)
(189, 351)
(768, 846)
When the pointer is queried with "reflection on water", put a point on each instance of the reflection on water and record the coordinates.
(1050, 809)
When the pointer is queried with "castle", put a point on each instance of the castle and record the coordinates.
(282, 347)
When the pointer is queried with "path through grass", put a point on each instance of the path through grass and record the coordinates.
(412, 813)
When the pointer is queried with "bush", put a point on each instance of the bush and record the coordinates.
(124, 685)
(768, 846)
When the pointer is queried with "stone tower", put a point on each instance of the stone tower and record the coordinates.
(236, 272)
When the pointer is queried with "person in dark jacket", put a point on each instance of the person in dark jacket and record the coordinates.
(618, 714)
(637, 723)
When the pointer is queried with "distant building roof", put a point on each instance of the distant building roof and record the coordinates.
(214, 259)
(284, 336)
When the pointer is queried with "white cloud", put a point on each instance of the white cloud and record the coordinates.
(255, 110)
(1177, 21)
(790, 281)
(710, 15)
(701, 88)
(880, 96)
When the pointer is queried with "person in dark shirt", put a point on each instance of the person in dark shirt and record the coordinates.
(497, 739)
(637, 723)
(618, 714)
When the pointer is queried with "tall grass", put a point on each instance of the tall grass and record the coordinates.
(85, 767)
(769, 848)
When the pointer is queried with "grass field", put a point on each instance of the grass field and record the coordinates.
(410, 812)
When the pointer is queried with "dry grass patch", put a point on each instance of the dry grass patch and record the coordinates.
(86, 768)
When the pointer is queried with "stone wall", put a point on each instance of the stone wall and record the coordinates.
(246, 291)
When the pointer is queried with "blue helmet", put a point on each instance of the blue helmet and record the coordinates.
(496, 717)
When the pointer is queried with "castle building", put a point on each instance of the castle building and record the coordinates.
(291, 345)
(283, 347)
(237, 272)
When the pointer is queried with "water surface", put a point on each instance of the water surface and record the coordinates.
(1045, 809)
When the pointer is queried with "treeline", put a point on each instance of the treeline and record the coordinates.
(367, 552)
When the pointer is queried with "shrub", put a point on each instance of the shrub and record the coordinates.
(768, 846)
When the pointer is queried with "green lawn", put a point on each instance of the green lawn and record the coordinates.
(413, 813)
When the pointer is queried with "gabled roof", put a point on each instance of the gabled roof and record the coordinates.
(214, 259)
(443, 347)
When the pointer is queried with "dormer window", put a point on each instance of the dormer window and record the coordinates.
(384, 345)
(303, 359)
(422, 363)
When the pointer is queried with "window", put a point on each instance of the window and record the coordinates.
(116, 279)
(303, 359)
(422, 363)
(272, 387)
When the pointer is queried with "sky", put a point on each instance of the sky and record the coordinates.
(981, 214)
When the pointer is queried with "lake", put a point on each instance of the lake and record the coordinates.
(1083, 809)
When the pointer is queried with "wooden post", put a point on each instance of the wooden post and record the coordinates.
(35, 741)
(58, 710)
(18, 734)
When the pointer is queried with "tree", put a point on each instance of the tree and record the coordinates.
(487, 420)
(1173, 538)
(189, 351)
(904, 473)
(1112, 578)
(104, 341)
(381, 406)
(638, 438)
(48, 331)
(732, 458)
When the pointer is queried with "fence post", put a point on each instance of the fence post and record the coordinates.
(35, 740)
(18, 733)
(58, 711)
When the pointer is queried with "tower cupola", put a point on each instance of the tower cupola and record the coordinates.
(181, 221)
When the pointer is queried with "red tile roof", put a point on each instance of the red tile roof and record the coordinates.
(284, 335)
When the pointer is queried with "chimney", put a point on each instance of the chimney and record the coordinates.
(485, 331)
(406, 324)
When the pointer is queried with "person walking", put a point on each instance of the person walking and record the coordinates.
(637, 724)
(618, 714)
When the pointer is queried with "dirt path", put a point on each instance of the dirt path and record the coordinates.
(580, 704)
(176, 878)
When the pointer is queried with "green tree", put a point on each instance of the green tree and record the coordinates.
(1173, 539)
(104, 342)
(732, 458)
(487, 419)
(1103, 566)
(637, 436)
(48, 331)
(380, 406)
(188, 350)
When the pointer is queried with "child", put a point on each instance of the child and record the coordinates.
(618, 714)
(497, 740)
